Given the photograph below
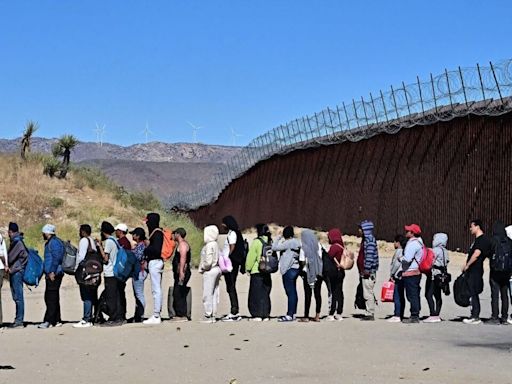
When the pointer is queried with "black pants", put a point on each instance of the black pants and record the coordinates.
(412, 292)
(475, 306)
(499, 288)
(336, 282)
(308, 292)
(180, 293)
(433, 291)
(52, 300)
(230, 278)
(121, 285)
(113, 298)
(259, 295)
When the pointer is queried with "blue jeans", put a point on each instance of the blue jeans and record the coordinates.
(412, 291)
(17, 295)
(399, 299)
(89, 296)
(138, 292)
(290, 287)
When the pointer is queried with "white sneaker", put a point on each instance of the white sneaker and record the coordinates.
(255, 319)
(330, 318)
(394, 319)
(59, 324)
(509, 320)
(152, 320)
(208, 320)
(82, 324)
(231, 317)
(472, 321)
(432, 319)
(338, 317)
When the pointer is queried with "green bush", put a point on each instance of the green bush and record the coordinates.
(56, 202)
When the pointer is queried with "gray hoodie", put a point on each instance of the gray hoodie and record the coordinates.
(290, 249)
(210, 251)
(442, 258)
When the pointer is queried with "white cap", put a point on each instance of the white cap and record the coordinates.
(121, 227)
(49, 229)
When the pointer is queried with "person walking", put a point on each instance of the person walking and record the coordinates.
(209, 268)
(17, 257)
(88, 294)
(433, 289)
(289, 247)
(182, 273)
(411, 275)
(54, 251)
(368, 265)
(139, 236)
(474, 268)
(153, 255)
(336, 279)
(261, 283)
(310, 260)
(499, 276)
(235, 248)
(395, 275)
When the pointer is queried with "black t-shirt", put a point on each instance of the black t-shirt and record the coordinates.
(483, 243)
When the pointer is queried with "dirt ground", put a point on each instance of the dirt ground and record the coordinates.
(350, 351)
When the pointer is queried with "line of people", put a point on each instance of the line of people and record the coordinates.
(303, 258)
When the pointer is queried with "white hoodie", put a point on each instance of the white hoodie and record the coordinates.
(509, 231)
(210, 252)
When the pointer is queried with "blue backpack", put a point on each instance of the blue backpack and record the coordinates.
(126, 263)
(34, 268)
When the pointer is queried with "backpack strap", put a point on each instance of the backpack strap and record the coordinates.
(155, 230)
(89, 246)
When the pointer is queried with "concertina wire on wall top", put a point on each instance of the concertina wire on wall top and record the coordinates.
(480, 90)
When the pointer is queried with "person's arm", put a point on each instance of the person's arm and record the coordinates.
(103, 254)
(232, 242)
(56, 248)
(280, 245)
(472, 260)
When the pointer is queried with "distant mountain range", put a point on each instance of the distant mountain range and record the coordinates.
(160, 167)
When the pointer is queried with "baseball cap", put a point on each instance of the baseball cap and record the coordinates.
(121, 227)
(49, 229)
(414, 228)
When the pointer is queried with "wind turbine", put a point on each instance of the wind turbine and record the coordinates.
(234, 135)
(194, 131)
(147, 132)
(100, 131)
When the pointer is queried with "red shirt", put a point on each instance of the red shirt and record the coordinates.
(125, 243)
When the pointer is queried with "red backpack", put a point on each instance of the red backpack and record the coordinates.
(427, 260)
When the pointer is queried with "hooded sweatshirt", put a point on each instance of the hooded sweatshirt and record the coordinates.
(53, 255)
(210, 251)
(439, 247)
(499, 238)
(368, 259)
(290, 250)
(156, 237)
(337, 245)
(313, 255)
(17, 254)
(253, 257)
(508, 230)
(413, 253)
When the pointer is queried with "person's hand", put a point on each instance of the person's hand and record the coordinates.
(182, 276)
(6, 269)
(98, 243)
(51, 276)
(366, 274)
(146, 243)
(144, 265)
(464, 268)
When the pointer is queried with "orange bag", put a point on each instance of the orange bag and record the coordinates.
(168, 246)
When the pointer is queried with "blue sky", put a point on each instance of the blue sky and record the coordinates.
(249, 65)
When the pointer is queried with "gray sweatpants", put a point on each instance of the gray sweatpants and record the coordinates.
(211, 280)
(368, 294)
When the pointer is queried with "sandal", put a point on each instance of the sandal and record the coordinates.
(304, 320)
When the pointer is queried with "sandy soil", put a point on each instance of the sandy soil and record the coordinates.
(245, 352)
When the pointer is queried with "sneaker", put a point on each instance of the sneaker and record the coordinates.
(231, 317)
(44, 325)
(493, 321)
(208, 320)
(472, 321)
(503, 322)
(153, 320)
(432, 319)
(255, 319)
(178, 319)
(509, 320)
(82, 324)
(111, 323)
(58, 325)
(338, 317)
(266, 319)
(17, 325)
(285, 319)
(330, 318)
(394, 319)
(368, 318)
(411, 320)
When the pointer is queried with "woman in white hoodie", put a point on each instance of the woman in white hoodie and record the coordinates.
(209, 268)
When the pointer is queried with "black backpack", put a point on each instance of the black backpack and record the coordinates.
(462, 291)
(501, 259)
(329, 268)
(88, 272)
(269, 262)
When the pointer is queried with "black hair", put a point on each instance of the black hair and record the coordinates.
(478, 223)
(402, 240)
(230, 222)
(107, 228)
(181, 231)
(288, 232)
(262, 230)
(86, 228)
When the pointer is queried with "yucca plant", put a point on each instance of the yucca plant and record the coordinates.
(51, 166)
(26, 139)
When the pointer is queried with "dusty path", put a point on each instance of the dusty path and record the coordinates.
(350, 351)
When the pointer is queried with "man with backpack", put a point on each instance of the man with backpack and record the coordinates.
(474, 268)
(153, 255)
(112, 284)
(499, 276)
(53, 255)
(17, 256)
(411, 275)
(88, 294)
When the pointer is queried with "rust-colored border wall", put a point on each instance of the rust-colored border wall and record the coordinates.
(439, 176)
